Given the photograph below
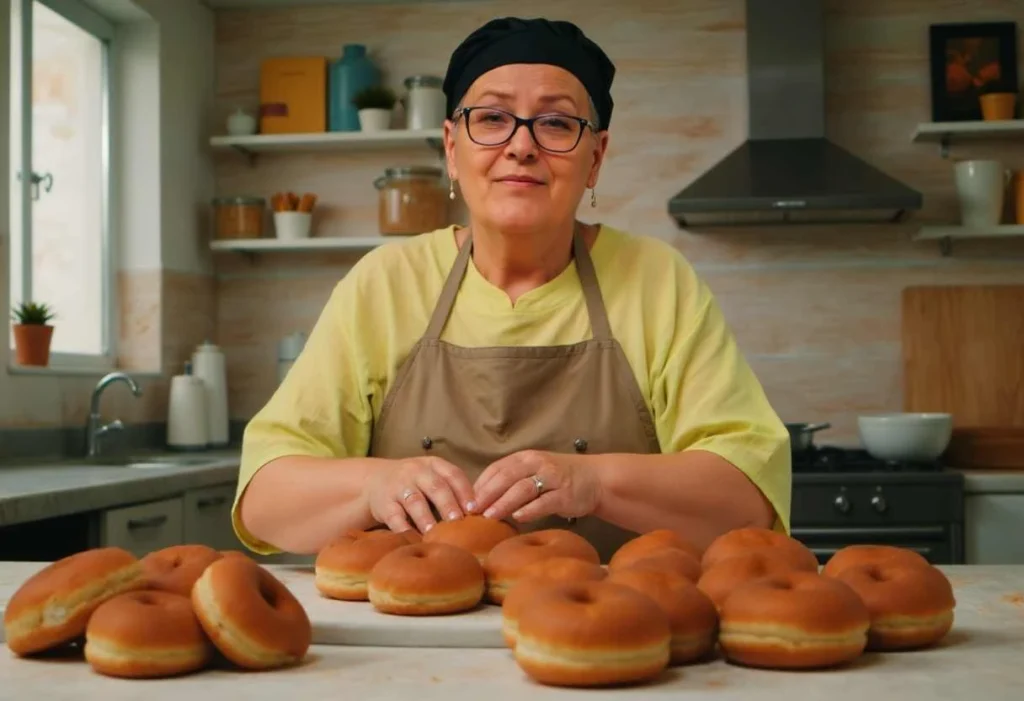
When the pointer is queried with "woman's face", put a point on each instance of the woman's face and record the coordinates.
(518, 186)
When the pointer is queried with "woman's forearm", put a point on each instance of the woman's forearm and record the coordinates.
(696, 493)
(298, 504)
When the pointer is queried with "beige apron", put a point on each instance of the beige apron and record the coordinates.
(472, 406)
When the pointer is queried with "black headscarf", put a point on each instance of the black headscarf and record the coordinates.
(514, 40)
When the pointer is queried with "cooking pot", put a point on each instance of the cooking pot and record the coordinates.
(801, 436)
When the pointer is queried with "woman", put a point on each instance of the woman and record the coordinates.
(527, 366)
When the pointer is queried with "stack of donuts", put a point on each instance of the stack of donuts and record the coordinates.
(167, 614)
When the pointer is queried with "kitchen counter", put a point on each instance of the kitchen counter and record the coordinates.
(980, 658)
(993, 481)
(40, 490)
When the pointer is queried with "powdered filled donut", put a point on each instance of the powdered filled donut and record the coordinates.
(52, 607)
(665, 560)
(548, 571)
(426, 579)
(793, 620)
(505, 563)
(742, 540)
(692, 617)
(250, 616)
(590, 634)
(863, 554)
(343, 567)
(176, 569)
(146, 634)
(653, 541)
(911, 605)
(475, 534)
(722, 578)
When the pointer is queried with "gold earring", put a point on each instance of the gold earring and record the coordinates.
(593, 198)
(451, 189)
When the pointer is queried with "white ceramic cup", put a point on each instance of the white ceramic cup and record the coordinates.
(292, 225)
(981, 187)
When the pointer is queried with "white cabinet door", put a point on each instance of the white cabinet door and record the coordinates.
(208, 518)
(994, 529)
(143, 528)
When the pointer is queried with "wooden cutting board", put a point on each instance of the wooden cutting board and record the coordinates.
(963, 353)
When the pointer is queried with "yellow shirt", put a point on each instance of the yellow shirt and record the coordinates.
(697, 385)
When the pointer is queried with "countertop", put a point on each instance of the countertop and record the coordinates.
(979, 658)
(993, 481)
(31, 491)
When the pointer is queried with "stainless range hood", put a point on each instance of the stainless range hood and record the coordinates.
(788, 171)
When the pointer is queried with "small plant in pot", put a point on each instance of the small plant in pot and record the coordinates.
(374, 104)
(32, 333)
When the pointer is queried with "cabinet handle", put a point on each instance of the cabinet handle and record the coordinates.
(212, 501)
(151, 522)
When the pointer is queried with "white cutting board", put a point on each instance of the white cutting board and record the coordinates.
(343, 622)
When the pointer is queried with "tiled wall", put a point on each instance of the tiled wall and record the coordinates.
(816, 310)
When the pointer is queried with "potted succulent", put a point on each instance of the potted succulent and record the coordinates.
(374, 104)
(32, 333)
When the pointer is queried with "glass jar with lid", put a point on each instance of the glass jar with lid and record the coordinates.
(425, 102)
(412, 200)
(238, 217)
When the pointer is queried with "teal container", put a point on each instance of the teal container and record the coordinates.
(353, 72)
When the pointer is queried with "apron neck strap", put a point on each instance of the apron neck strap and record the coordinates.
(584, 269)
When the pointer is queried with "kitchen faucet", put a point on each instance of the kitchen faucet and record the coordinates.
(94, 429)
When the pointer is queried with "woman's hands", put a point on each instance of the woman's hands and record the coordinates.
(410, 488)
(532, 484)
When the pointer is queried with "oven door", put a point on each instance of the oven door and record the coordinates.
(937, 544)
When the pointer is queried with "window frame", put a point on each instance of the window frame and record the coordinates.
(92, 22)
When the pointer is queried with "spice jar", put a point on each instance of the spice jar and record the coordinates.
(412, 200)
(239, 217)
(425, 103)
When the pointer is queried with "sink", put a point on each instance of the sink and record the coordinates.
(150, 462)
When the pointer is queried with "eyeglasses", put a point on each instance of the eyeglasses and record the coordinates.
(489, 126)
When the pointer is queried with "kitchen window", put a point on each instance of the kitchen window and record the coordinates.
(62, 251)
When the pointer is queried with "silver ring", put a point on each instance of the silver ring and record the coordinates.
(407, 493)
(539, 483)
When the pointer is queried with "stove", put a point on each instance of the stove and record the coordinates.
(843, 496)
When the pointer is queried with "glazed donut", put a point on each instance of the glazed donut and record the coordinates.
(653, 541)
(911, 606)
(668, 559)
(853, 555)
(343, 567)
(250, 616)
(506, 561)
(146, 634)
(426, 579)
(52, 607)
(548, 571)
(176, 569)
(793, 620)
(743, 540)
(475, 534)
(719, 580)
(692, 617)
(592, 634)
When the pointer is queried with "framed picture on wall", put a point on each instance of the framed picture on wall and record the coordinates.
(967, 61)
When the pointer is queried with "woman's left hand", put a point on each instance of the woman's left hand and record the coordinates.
(532, 484)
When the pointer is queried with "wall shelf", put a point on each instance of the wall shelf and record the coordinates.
(943, 133)
(254, 144)
(325, 243)
(945, 235)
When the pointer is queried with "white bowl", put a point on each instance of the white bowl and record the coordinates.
(906, 437)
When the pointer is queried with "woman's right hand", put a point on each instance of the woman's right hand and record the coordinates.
(406, 489)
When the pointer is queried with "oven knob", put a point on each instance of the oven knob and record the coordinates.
(842, 504)
(878, 503)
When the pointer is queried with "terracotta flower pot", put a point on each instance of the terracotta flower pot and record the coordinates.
(32, 344)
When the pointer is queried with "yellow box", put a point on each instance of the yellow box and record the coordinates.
(293, 95)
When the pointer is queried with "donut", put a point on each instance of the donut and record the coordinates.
(911, 606)
(719, 580)
(863, 554)
(743, 540)
(505, 562)
(146, 634)
(250, 616)
(589, 634)
(235, 553)
(653, 541)
(692, 617)
(176, 568)
(52, 607)
(668, 559)
(426, 579)
(548, 571)
(793, 620)
(343, 567)
(475, 534)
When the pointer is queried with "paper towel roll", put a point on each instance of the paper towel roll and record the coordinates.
(208, 365)
(187, 426)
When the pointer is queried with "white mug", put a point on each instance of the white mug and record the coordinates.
(981, 188)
